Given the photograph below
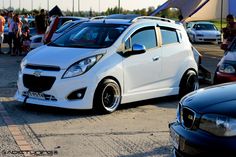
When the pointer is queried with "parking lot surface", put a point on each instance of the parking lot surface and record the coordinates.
(136, 129)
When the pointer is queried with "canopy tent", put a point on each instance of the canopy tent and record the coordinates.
(200, 9)
(186, 6)
(56, 11)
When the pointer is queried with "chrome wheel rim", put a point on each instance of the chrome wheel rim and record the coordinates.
(110, 97)
(192, 83)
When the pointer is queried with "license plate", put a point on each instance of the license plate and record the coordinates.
(174, 138)
(36, 95)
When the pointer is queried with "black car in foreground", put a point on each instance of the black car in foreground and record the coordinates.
(206, 123)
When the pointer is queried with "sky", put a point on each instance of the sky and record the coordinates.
(84, 4)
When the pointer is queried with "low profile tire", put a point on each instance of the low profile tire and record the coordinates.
(188, 83)
(107, 97)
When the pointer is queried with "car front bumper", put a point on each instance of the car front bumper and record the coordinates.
(207, 39)
(57, 95)
(197, 143)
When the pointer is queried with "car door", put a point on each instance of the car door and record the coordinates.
(174, 54)
(142, 72)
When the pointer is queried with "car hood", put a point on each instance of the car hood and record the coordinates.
(62, 57)
(206, 32)
(220, 99)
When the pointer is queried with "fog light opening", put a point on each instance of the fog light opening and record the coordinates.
(78, 94)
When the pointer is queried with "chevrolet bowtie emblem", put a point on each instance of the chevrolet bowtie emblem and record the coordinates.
(37, 73)
(190, 117)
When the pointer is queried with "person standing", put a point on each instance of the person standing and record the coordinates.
(16, 31)
(10, 32)
(24, 21)
(41, 22)
(2, 23)
(229, 32)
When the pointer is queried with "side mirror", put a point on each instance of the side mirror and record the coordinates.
(138, 49)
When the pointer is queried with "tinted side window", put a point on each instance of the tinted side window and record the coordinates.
(146, 37)
(169, 36)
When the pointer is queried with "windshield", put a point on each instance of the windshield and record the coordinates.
(90, 35)
(205, 27)
(64, 27)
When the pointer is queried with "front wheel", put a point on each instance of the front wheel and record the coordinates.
(188, 83)
(107, 96)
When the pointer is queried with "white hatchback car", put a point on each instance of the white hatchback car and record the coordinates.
(203, 32)
(103, 63)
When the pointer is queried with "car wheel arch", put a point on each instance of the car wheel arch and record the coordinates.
(183, 80)
(97, 89)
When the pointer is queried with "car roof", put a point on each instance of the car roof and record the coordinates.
(79, 21)
(111, 21)
(132, 19)
(73, 17)
(122, 16)
(70, 17)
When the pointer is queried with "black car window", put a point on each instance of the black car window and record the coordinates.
(169, 36)
(144, 36)
(31, 23)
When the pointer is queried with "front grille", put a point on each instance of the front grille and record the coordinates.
(43, 67)
(188, 117)
(209, 40)
(38, 84)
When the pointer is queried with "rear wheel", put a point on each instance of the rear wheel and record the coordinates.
(188, 83)
(107, 96)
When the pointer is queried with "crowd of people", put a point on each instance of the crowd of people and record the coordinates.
(19, 32)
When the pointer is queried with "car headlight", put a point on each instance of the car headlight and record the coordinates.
(227, 68)
(81, 66)
(22, 64)
(179, 114)
(218, 125)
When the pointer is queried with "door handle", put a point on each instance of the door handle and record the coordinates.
(156, 58)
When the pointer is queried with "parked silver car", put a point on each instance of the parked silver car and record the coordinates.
(203, 32)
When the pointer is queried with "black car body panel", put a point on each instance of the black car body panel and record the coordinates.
(194, 142)
(197, 143)
(216, 99)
